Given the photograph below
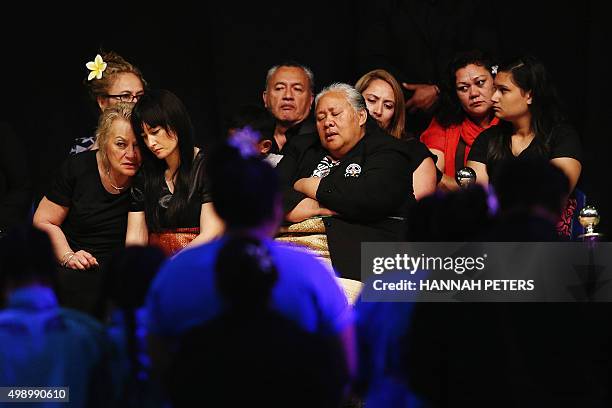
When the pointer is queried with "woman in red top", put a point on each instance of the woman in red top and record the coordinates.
(465, 111)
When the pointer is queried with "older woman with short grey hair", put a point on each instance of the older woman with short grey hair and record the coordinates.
(356, 179)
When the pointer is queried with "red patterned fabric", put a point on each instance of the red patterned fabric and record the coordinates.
(172, 241)
(564, 226)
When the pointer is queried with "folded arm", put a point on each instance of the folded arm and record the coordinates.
(382, 187)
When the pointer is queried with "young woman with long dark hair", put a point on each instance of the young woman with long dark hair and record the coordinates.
(171, 205)
(532, 126)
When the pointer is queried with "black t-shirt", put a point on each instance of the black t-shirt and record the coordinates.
(307, 126)
(419, 152)
(190, 217)
(564, 142)
(97, 219)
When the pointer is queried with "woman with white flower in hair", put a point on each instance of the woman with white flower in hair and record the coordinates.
(171, 205)
(110, 80)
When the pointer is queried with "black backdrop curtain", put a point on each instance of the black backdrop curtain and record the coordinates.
(216, 58)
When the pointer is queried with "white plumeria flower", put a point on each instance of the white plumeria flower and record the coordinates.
(97, 66)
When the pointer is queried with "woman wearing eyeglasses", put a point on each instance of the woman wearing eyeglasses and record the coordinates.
(171, 205)
(116, 81)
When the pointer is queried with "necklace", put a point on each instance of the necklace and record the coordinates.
(110, 181)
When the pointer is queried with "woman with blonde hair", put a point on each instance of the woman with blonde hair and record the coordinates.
(385, 102)
(85, 211)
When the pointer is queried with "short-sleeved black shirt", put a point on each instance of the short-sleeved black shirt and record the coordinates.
(190, 218)
(97, 219)
(564, 142)
(419, 152)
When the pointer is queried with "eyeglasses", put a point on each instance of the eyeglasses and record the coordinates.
(125, 97)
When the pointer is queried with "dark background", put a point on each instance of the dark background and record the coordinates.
(215, 57)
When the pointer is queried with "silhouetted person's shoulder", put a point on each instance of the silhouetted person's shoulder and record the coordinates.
(274, 362)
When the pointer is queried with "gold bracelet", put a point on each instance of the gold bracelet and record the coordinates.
(68, 260)
(66, 257)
